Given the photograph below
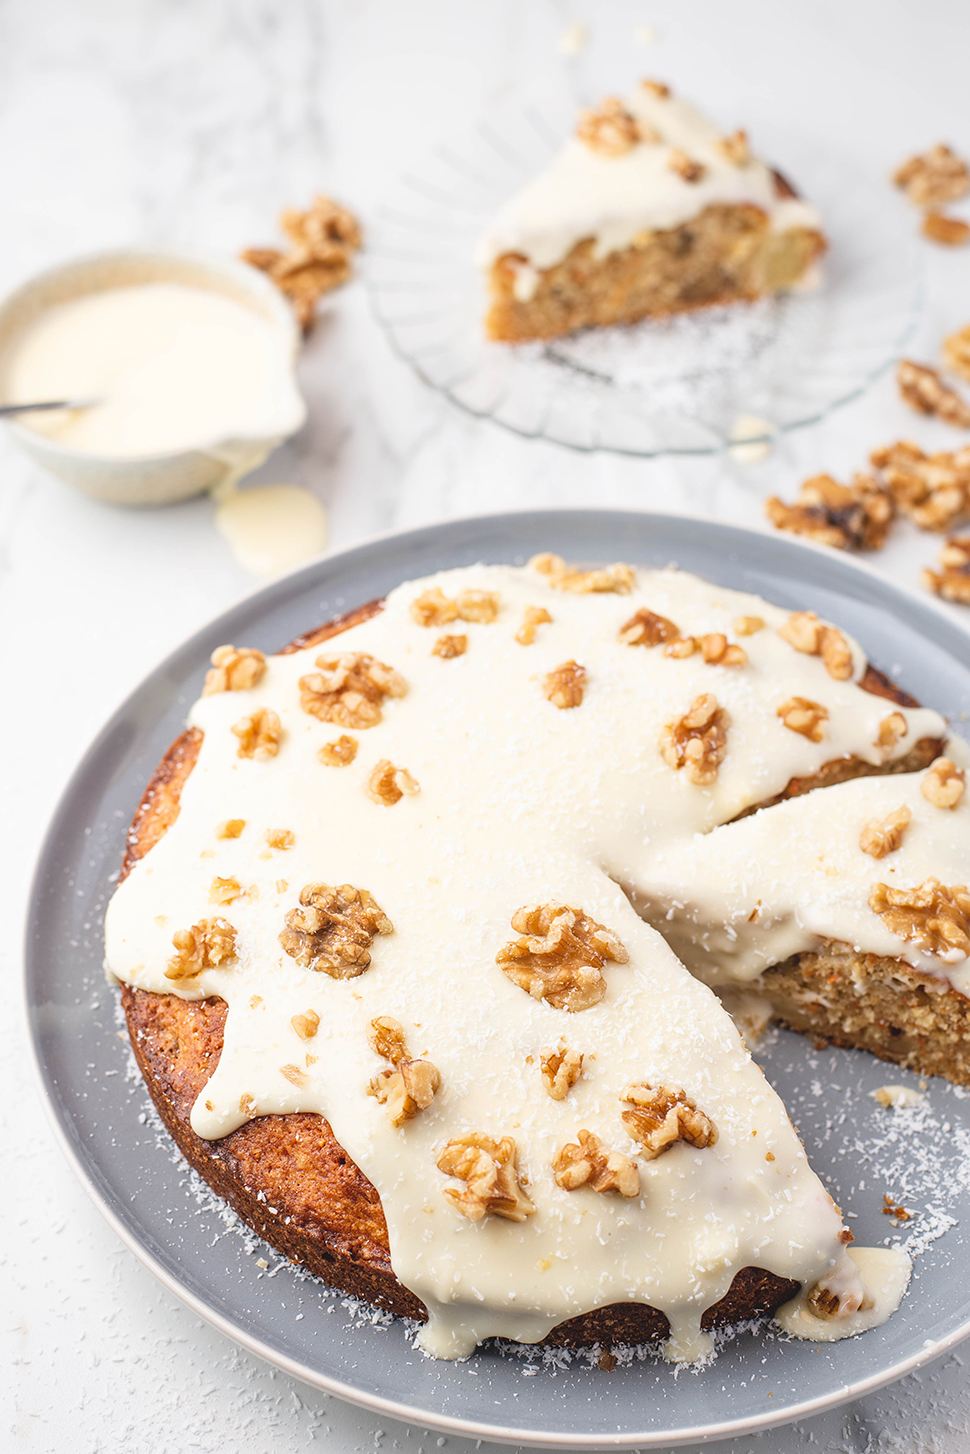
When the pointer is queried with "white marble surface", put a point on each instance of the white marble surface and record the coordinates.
(154, 121)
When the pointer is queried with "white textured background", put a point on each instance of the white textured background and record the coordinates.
(193, 122)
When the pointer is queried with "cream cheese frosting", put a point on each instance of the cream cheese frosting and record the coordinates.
(616, 199)
(515, 801)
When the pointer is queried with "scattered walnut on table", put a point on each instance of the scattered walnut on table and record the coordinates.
(388, 784)
(952, 582)
(410, 1085)
(805, 632)
(734, 148)
(561, 1069)
(349, 689)
(685, 166)
(659, 1116)
(532, 617)
(562, 577)
(448, 647)
(932, 490)
(259, 735)
(340, 753)
(884, 836)
(434, 608)
(609, 129)
(892, 729)
(847, 517)
(306, 1025)
(697, 742)
(561, 955)
(207, 945)
(956, 351)
(804, 716)
(323, 240)
(943, 784)
(933, 916)
(923, 389)
(935, 177)
(487, 1167)
(584, 1162)
(565, 684)
(234, 669)
(950, 231)
(333, 928)
(646, 628)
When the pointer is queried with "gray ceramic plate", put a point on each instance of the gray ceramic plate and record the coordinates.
(919, 1157)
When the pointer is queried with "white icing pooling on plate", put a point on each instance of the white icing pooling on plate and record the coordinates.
(519, 802)
(614, 199)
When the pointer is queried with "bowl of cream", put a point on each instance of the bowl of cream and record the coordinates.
(189, 361)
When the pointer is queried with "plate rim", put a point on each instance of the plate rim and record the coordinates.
(59, 1117)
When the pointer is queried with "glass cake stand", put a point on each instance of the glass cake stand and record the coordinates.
(674, 386)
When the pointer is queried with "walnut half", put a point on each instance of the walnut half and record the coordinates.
(565, 684)
(659, 1116)
(646, 628)
(935, 177)
(563, 577)
(952, 581)
(259, 735)
(560, 956)
(207, 945)
(884, 836)
(697, 742)
(610, 130)
(847, 517)
(349, 689)
(932, 489)
(234, 669)
(804, 716)
(943, 784)
(561, 1069)
(487, 1167)
(923, 389)
(934, 917)
(333, 928)
(585, 1163)
(805, 632)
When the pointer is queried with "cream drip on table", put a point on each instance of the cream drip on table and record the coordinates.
(517, 802)
(616, 199)
(174, 366)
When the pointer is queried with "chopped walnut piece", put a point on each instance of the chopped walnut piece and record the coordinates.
(584, 1163)
(935, 177)
(487, 1167)
(224, 890)
(385, 1036)
(943, 784)
(295, 1075)
(410, 1086)
(561, 1069)
(646, 628)
(247, 1105)
(565, 684)
(231, 828)
(532, 617)
(323, 241)
(618, 577)
(434, 608)
(847, 517)
(933, 916)
(280, 838)
(825, 1300)
(748, 625)
(697, 742)
(306, 1025)
(716, 650)
(259, 735)
(448, 647)
(333, 928)
(804, 716)
(681, 647)
(661, 1115)
(949, 231)
(561, 955)
(349, 689)
(234, 669)
(656, 88)
(805, 632)
(734, 148)
(206, 945)
(933, 490)
(340, 753)
(953, 581)
(923, 389)
(388, 784)
(884, 836)
(685, 166)
(892, 729)
(888, 1209)
(610, 129)
(956, 351)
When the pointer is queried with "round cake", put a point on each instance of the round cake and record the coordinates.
(396, 936)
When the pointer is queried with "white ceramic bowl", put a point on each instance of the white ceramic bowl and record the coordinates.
(156, 479)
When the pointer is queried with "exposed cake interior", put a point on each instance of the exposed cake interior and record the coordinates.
(398, 859)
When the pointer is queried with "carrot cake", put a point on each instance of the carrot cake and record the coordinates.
(647, 210)
(398, 939)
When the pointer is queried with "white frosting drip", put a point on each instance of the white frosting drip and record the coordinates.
(615, 199)
(519, 802)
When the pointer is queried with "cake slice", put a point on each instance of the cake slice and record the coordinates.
(647, 210)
